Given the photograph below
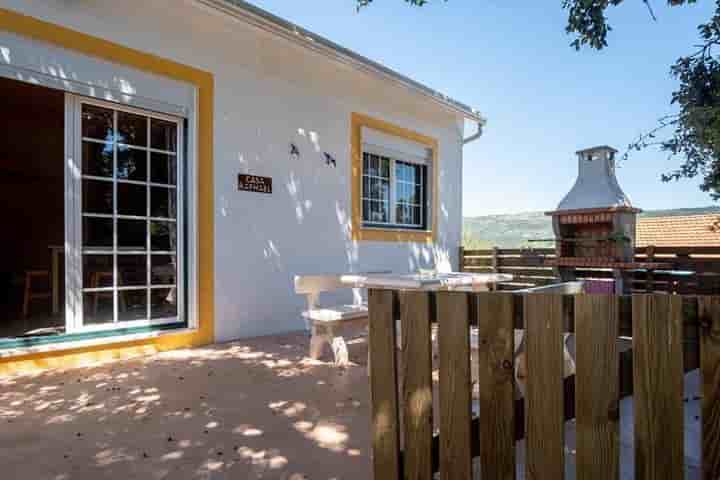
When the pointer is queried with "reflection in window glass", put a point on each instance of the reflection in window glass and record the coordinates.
(132, 129)
(97, 123)
(163, 303)
(395, 199)
(408, 185)
(164, 270)
(131, 164)
(163, 135)
(98, 307)
(97, 159)
(97, 271)
(133, 305)
(163, 236)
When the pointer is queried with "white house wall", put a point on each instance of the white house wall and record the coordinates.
(268, 93)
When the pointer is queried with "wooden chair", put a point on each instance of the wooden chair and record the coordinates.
(30, 293)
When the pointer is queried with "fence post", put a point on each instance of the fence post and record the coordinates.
(461, 261)
(596, 387)
(455, 392)
(416, 367)
(544, 398)
(657, 328)
(495, 260)
(710, 370)
(383, 385)
(496, 384)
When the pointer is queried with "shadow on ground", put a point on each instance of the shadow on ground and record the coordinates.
(245, 410)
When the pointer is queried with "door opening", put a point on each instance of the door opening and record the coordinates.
(32, 199)
(91, 199)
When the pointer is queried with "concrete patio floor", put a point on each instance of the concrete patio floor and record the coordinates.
(245, 410)
(250, 409)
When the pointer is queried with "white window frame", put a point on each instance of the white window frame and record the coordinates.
(184, 283)
(394, 157)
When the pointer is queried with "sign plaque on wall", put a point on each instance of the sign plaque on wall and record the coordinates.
(254, 183)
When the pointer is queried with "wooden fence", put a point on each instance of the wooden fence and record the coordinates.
(700, 267)
(670, 334)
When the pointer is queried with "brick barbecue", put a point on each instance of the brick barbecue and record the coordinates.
(594, 224)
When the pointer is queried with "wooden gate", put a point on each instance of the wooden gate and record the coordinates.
(671, 334)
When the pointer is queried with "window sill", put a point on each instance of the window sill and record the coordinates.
(390, 234)
(92, 342)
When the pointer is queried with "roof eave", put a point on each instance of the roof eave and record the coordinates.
(272, 23)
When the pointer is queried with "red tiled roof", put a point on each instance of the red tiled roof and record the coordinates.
(686, 231)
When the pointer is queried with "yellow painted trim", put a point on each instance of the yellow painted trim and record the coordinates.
(30, 27)
(359, 233)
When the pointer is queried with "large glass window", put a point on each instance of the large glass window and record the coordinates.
(130, 207)
(393, 192)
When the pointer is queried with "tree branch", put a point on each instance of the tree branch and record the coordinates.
(650, 9)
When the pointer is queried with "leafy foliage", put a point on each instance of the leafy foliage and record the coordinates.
(693, 133)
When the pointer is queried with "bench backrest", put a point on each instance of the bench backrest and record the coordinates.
(309, 284)
(314, 284)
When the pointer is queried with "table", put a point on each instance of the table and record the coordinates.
(55, 252)
(430, 282)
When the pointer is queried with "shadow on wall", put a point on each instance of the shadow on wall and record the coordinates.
(303, 238)
(55, 70)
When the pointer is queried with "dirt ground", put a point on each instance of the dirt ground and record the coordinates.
(244, 410)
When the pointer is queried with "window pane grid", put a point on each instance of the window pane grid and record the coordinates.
(392, 192)
(131, 295)
(376, 189)
(409, 183)
(128, 182)
(140, 148)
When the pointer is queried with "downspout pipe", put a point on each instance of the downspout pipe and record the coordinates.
(475, 135)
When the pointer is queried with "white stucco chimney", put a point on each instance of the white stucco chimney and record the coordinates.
(596, 185)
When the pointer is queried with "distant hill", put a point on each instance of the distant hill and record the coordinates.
(514, 230)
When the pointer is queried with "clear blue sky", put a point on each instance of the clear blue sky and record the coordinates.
(543, 100)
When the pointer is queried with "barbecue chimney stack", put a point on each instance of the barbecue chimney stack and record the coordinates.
(596, 185)
(594, 224)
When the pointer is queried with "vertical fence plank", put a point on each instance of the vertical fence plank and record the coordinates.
(417, 385)
(596, 386)
(496, 385)
(710, 369)
(658, 385)
(455, 385)
(383, 385)
(544, 415)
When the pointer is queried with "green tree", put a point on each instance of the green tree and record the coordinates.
(692, 133)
